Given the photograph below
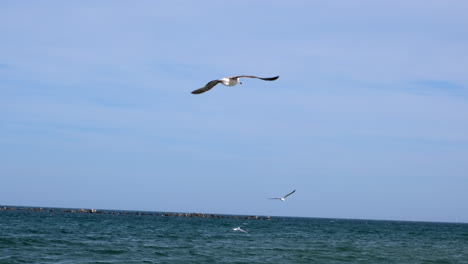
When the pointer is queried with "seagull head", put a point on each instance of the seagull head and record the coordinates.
(239, 81)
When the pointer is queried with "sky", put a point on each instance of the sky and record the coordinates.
(368, 120)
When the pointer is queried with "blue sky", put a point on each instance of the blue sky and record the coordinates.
(369, 118)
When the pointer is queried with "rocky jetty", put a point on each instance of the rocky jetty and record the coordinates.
(116, 212)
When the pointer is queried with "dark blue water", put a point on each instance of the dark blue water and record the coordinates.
(58, 237)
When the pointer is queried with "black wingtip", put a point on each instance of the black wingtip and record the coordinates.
(271, 78)
(198, 91)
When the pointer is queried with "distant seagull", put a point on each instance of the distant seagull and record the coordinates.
(284, 197)
(230, 81)
(239, 229)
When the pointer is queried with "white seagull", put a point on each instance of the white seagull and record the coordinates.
(284, 197)
(230, 81)
(239, 229)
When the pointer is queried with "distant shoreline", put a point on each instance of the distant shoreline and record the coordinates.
(124, 212)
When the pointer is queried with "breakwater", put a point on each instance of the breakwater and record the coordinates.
(123, 212)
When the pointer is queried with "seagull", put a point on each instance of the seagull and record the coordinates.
(239, 229)
(284, 197)
(230, 81)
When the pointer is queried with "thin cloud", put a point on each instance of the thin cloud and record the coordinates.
(442, 85)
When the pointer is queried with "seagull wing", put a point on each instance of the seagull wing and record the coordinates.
(207, 87)
(289, 194)
(275, 198)
(239, 229)
(251, 76)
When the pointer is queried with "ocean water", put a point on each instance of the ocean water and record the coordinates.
(59, 237)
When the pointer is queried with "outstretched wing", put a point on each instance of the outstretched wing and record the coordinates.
(251, 76)
(289, 194)
(275, 198)
(207, 87)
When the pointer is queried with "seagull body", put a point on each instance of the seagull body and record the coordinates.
(230, 81)
(239, 229)
(284, 197)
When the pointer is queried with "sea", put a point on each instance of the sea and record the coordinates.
(64, 236)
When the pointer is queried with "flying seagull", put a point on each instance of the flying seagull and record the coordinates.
(239, 229)
(230, 81)
(284, 197)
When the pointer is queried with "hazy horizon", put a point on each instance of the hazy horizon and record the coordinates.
(229, 214)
